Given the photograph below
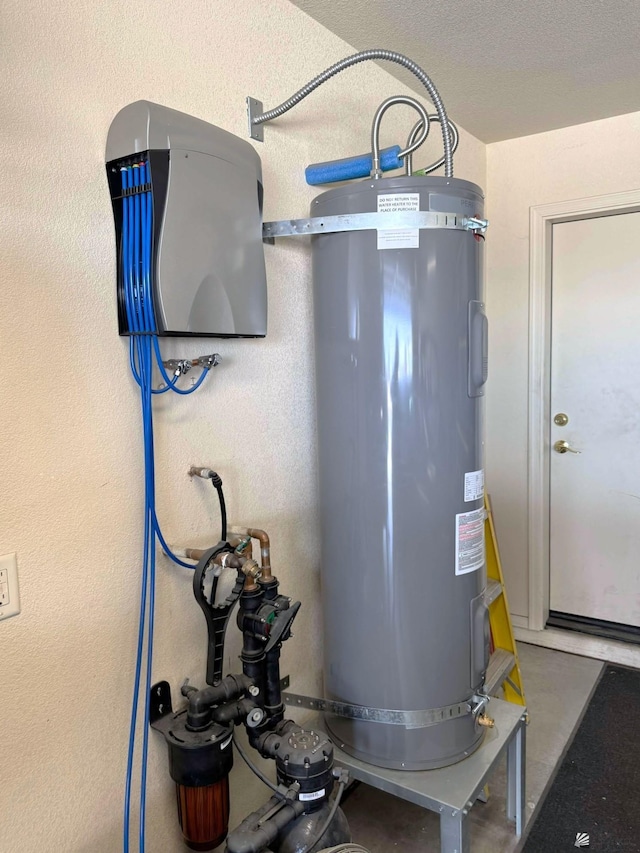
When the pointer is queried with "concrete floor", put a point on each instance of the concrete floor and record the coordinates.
(557, 687)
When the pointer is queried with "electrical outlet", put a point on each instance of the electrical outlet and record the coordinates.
(9, 591)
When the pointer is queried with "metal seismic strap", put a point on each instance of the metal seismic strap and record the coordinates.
(408, 719)
(420, 219)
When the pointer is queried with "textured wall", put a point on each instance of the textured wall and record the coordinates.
(69, 414)
(576, 162)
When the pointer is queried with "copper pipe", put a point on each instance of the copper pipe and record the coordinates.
(198, 553)
(194, 554)
(228, 560)
(265, 548)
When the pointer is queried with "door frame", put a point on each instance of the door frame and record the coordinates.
(542, 218)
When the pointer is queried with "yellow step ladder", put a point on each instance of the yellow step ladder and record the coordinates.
(504, 666)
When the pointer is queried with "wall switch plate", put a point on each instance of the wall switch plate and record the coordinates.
(9, 591)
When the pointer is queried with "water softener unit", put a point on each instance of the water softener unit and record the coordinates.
(400, 368)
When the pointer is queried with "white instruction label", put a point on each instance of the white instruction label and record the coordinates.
(474, 485)
(469, 541)
(398, 238)
(314, 795)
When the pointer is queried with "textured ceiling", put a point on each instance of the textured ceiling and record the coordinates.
(505, 68)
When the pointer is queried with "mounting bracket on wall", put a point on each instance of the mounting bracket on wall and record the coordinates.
(255, 108)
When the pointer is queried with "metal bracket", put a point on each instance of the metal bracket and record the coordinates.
(179, 366)
(479, 703)
(255, 108)
(184, 365)
(422, 219)
(159, 701)
(478, 226)
(408, 719)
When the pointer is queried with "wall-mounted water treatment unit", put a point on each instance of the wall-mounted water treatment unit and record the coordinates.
(401, 363)
(203, 187)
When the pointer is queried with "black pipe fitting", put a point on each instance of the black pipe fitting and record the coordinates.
(235, 712)
(201, 702)
(255, 833)
(273, 703)
(267, 743)
(270, 588)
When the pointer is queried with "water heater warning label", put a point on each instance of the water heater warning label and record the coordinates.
(469, 541)
(473, 485)
(398, 238)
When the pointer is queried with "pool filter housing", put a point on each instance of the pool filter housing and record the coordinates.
(401, 362)
(208, 274)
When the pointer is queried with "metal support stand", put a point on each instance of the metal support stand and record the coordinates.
(454, 833)
(516, 765)
(452, 791)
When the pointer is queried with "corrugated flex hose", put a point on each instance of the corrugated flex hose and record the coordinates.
(363, 56)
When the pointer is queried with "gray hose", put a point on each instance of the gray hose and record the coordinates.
(347, 62)
(254, 769)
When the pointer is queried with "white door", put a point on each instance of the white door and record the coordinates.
(595, 382)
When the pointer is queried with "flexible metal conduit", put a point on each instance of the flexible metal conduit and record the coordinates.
(363, 56)
(455, 138)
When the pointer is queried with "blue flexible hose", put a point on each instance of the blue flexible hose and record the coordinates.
(149, 567)
(165, 375)
(142, 203)
(124, 247)
(136, 247)
(146, 216)
(136, 373)
(133, 278)
(166, 548)
(137, 235)
(129, 285)
(135, 326)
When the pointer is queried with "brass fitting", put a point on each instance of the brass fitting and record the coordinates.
(486, 721)
(265, 547)
(252, 571)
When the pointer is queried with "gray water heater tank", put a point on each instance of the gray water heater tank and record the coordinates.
(401, 362)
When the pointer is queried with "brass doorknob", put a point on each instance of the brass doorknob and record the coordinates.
(564, 447)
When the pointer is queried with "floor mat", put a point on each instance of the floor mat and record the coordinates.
(593, 802)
